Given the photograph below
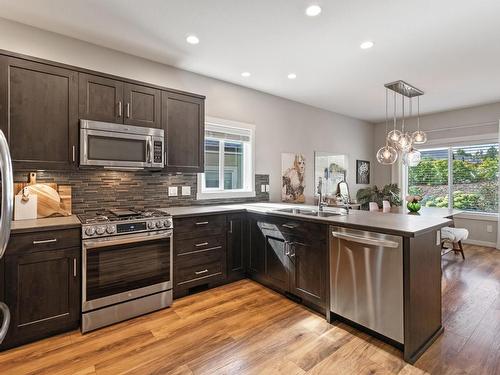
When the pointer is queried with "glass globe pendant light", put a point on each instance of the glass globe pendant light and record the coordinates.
(404, 143)
(419, 137)
(412, 158)
(387, 155)
(394, 135)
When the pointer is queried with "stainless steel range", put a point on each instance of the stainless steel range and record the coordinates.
(127, 265)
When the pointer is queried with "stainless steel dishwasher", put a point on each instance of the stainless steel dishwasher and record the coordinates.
(366, 280)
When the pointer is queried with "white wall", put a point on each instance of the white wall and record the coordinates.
(281, 125)
(472, 123)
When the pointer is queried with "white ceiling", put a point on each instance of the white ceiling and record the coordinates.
(448, 48)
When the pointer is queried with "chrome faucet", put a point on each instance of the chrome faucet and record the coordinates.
(321, 204)
(347, 203)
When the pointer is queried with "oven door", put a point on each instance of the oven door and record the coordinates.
(122, 268)
(114, 149)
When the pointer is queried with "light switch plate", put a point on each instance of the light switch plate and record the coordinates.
(489, 228)
(172, 191)
(186, 190)
(267, 188)
(262, 188)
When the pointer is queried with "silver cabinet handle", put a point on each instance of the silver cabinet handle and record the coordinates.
(286, 248)
(74, 153)
(201, 244)
(202, 223)
(289, 226)
(6, 320)
(74, 267)
(201, 272)
(120, 109)
(365, 240)
(165, 158)
(40, 242)
(230, 226)
(128, 110)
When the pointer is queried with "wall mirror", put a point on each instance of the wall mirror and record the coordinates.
(332, 169)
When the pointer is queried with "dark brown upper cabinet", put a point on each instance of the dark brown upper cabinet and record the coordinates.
(109, 100)
(100, 99)
(39, 113)
(142, 106)
(183, 119)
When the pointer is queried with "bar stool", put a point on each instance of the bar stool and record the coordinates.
(455, 236)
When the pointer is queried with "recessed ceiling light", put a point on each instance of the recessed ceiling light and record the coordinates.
(292, 76)
(245, 74)
(192, 39)
(366, 45)
(313, 10)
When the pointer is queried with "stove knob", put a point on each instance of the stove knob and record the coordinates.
(151, 224)
(90, 231)
(159, 224)
(110, 229)
(167, 223)
(100, 230)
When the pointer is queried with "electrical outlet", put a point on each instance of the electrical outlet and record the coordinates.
(489, 228)
(186, 190)
(172, 191)
(267, 188)
(262, 188)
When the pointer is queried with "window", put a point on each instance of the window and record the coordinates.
(229, 160)
(464, 177)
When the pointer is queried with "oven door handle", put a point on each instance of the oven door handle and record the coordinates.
(121, 241)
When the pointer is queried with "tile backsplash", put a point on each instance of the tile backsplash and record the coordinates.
(97, 189)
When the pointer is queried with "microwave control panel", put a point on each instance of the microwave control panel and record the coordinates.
(158, 152)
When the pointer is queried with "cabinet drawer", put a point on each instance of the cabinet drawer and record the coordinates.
(200, 226)
(200, 268)
(301, 229)
(46, 240)
(196, 245)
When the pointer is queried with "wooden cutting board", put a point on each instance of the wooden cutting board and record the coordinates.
(51, 198)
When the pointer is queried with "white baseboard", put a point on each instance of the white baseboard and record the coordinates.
(480, 243)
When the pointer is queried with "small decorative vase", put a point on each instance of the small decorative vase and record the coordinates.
(413, 206)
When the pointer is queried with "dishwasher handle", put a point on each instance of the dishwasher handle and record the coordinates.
(365, 240)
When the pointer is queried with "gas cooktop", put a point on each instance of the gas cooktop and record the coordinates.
(120, 222)
(113, 215)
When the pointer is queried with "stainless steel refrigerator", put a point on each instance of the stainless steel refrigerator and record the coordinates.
(5, 218)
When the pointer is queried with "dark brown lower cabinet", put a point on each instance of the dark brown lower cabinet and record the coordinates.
(236, 246)
(290, 256)
(42, 290)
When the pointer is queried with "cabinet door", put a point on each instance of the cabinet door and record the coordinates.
(43, 294)
(183, 119)
(100, 99)
(256, 253)
(277, 263)
(142, 106)
(40, 113)
(308, 262)
(236, 245)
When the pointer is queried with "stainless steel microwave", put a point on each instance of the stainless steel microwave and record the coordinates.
(118, 146)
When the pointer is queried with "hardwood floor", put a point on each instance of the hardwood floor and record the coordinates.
(244, 328)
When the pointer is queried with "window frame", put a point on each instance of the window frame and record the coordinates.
(449, 144)
(248, 189)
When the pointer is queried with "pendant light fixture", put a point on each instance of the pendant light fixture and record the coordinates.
(401, 141)
(404, 143)
(387, 155)
(394, 134)
(419, 137)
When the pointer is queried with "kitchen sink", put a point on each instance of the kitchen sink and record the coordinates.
(309, 212)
